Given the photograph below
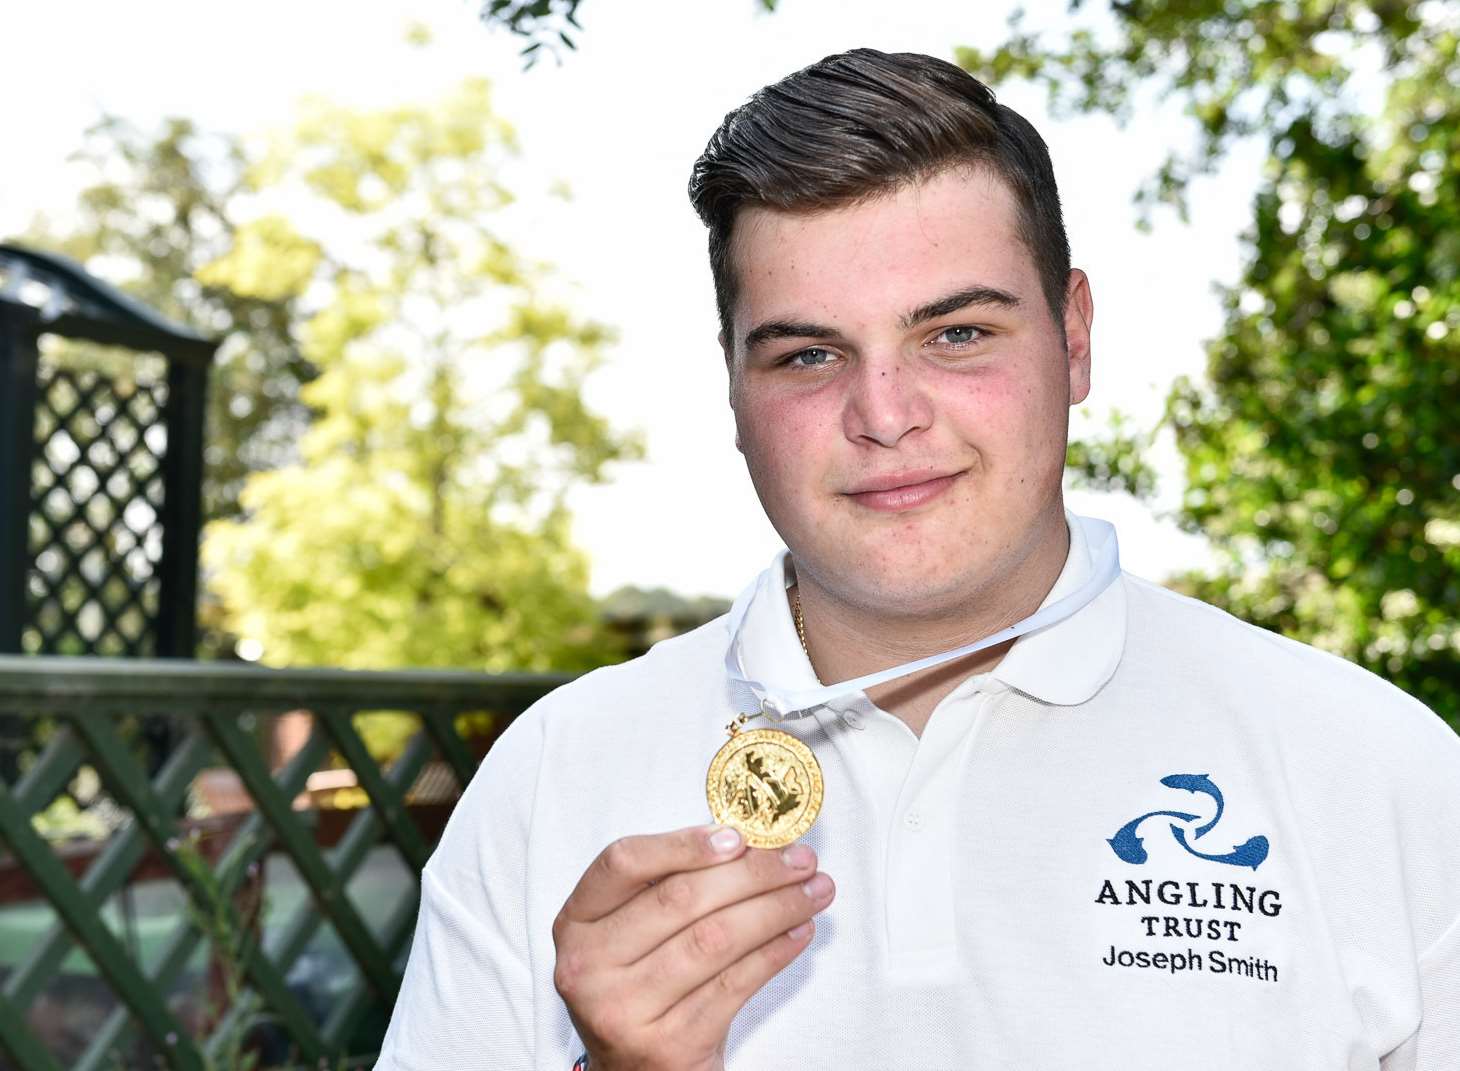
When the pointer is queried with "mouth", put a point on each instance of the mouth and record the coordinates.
(896, 492)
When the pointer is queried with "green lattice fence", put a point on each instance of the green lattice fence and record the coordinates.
(288, 895)
(97, 505)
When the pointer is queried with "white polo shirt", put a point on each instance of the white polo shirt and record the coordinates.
(1153, 835)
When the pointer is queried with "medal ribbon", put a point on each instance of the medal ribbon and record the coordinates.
(781, 704)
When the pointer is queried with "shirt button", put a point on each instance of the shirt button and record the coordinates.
(913, 820)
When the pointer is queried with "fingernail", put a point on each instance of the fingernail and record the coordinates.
(796, 933)
(725, 840)
(818, 888)
(798, 856)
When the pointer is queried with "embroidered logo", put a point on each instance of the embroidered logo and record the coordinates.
(1130, 848)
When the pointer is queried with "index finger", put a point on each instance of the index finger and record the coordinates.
(631, 864)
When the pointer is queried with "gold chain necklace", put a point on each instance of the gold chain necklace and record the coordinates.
(801, 630)
(800, 625)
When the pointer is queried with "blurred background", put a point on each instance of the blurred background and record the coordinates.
(381, 337)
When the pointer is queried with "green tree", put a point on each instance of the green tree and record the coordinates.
(159, 207)
(424, 523)
(1320, 453)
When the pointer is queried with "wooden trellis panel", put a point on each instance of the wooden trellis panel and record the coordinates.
(95, 706)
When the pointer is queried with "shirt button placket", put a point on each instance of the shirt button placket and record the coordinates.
(922, 914)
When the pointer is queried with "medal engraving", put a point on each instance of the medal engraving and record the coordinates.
(767, 784)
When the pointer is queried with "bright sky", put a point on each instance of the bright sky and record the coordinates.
(621, 121)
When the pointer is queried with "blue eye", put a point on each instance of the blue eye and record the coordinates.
(960, 336)
(810, 357)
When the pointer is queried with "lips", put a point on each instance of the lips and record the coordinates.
(892, 480)
(901, 490)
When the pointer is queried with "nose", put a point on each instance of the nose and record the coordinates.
(885, 402)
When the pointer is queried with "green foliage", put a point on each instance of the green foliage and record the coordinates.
(1320, 454)
(158, 208)
(63, 819)
(545, 24)
(542, 23)
(1240, 67)
(424, 523)
(1114, 462)
(231, 921)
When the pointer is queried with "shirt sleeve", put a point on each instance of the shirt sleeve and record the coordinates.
(1433, 807)
(1435, 1046)
(466, 1000)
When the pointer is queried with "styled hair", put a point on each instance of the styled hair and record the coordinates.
(861, 124)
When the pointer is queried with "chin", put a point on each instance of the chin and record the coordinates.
(900, 588)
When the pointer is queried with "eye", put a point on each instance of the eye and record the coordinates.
(960, 336)
(810, 358)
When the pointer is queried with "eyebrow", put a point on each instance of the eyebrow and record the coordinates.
(959, 299)
(774, 329)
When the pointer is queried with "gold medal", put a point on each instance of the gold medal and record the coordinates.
(765, 783)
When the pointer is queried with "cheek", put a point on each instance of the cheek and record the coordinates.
(780, 435)
(1017, 422)
(1044, 433)
(993, 409)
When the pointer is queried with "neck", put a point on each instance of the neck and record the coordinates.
(844, 640)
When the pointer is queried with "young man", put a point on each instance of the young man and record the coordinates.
(1133, 832)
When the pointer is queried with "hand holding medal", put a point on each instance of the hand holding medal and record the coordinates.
(667, 936)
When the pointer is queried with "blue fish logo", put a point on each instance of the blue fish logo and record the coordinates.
(1130, 847)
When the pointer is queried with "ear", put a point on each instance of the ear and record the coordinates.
(1079, 315)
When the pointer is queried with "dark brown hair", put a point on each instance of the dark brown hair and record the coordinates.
(860, 124)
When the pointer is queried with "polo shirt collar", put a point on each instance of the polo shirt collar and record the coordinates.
(1068, 662)
(1064, 664)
